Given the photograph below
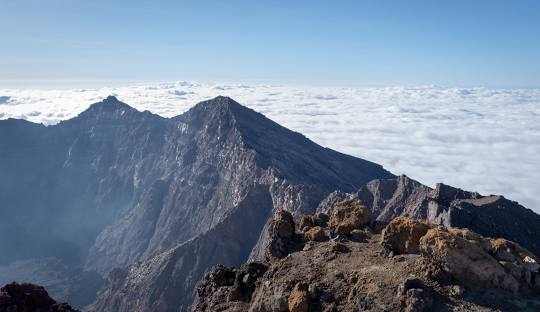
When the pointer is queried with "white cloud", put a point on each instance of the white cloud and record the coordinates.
(486, 140)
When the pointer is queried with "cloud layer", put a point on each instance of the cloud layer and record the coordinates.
(485, 140)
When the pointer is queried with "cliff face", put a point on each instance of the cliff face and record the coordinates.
(114, 186)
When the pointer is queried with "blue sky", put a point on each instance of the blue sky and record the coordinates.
(491, 43)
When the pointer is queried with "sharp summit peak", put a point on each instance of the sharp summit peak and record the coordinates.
(224, 105)
(110, 103)
(220, 102)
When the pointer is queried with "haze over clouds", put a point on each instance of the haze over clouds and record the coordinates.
(486, 140)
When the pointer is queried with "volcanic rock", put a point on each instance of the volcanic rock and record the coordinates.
(16, 297)
(365, 279)
(402, 235)
(489, 216)
(347, 216)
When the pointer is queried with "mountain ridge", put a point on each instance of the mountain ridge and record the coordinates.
(142, 184)
(152, 200)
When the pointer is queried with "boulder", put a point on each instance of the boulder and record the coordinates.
(465, 261)
(284, 224)
(347, 216)
(402, 235)
(280, 236)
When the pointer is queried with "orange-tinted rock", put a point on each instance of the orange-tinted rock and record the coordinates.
(402, 235)
(347, 216)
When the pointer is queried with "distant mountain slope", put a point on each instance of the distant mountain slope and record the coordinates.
(208, 161)
(114, 185)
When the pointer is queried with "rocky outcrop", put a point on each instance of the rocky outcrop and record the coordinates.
(347, 216)
(491, 216)
(281, 236)
(464, 261)
(16, 297)
(462, 255)
(223, 285)
(402, 235)
(449, 270)
(308, 221)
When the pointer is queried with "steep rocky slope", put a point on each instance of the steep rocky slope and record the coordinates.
(114, 186)
(350, 266)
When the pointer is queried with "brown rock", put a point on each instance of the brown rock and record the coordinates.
(305, 222)
(402, 235)
(472, 237)
(308, 221)
(347, 216)
(315, 234)
(465, 261)
(299, 298)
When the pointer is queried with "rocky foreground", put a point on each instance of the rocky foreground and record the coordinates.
(346, 262)
(16, 297)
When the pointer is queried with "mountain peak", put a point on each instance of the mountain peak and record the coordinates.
(110, 106)
(111, 103)
(220, 103)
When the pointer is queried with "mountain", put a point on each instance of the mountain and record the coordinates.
(150, 203)
(491, 216)
(118, 188)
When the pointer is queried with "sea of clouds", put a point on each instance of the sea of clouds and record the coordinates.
(479, 139)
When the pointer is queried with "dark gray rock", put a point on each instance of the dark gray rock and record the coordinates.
(63, 282)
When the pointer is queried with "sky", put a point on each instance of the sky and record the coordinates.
(492, 43)
(443, 91)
